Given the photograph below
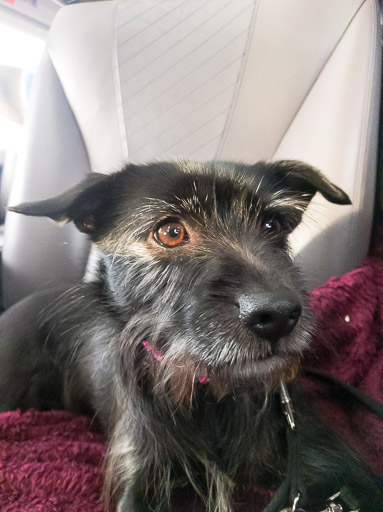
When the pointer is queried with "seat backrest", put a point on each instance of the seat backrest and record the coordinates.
(219, 79)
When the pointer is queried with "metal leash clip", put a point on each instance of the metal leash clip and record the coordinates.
(334, 504)
(294, 507)
(287, 406)
(337, 504)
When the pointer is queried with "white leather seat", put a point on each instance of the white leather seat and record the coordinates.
(130, 80)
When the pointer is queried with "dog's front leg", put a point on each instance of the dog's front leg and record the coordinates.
(134, 499)
(139, 473)
(137, 497)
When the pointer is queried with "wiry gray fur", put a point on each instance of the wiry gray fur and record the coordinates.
(82, 346)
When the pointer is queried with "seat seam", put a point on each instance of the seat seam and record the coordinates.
(118, 92)
(366, 128)
(317, 78)
(51, 58)
(238, 84)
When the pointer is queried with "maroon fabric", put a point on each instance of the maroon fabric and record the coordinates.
(51, 462)
(349, 345)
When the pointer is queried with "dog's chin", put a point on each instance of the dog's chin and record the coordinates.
(260, 367)
(248, 363)
(265, 374)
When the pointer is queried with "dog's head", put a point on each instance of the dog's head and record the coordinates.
(195, 260)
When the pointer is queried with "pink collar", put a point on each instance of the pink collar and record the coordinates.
(159, 357)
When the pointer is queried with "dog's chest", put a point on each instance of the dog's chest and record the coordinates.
(241, 435)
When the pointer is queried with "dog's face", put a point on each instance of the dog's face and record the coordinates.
(195, 261)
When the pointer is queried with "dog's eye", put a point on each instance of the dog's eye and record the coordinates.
(170, 234)
(273, 226)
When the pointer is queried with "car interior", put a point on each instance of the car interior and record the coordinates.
(117, 81)
(134, 81)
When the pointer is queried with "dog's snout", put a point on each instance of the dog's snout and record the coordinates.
(270, 315)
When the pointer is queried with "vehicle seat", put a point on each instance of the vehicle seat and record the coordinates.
(130, 80)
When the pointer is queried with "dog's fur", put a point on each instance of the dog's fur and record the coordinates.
(199, 404)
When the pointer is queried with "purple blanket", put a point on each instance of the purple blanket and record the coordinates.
(51, 462)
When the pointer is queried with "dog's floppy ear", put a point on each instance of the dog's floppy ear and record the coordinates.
(81, 204)
(301, 177)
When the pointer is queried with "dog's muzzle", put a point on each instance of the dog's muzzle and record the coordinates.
(270, 315)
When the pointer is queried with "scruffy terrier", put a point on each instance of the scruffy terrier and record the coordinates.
(184, 340)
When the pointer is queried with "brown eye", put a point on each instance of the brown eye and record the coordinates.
(170, 234)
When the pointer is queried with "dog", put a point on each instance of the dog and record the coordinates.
(182, 339)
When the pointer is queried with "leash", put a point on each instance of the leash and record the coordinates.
(367, 401)
(293, 488)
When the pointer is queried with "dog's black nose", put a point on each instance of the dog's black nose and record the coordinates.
(270, 315)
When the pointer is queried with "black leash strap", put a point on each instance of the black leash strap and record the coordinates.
(293, 488)
(367, 401)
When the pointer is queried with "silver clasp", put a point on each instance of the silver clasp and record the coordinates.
(294, 507)
(287, 406)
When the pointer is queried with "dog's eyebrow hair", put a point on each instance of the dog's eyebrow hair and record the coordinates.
(194, 204)
(161, 206)
(279, 199)
(259, 185)
(155, 201)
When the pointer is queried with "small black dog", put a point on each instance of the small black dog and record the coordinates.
(181, 341)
